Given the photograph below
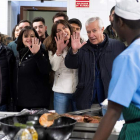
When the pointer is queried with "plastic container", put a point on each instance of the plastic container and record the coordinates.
(23, 134)
(32, 130)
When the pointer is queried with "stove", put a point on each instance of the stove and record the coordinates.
(82, 131)
(86, 131)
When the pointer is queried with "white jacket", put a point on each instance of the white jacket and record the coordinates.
(65, 80)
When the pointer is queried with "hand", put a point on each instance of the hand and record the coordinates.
(35, 45)
(60, 42)
(75, 42)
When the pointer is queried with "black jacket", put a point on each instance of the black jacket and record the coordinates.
(84, 60)
(32, 80)
(7, 60)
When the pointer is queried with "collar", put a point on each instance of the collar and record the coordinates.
(100, 45)
(87, 46)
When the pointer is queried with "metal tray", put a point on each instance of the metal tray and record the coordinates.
(92, 111)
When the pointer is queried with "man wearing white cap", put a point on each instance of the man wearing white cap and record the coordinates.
(124, 88)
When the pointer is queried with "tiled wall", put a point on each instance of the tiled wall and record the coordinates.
(100, 8)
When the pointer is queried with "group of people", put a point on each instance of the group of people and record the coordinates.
(61, 68)
(79, 73)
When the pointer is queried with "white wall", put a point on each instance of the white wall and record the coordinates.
(44, 4)
(14, 10)
(100, 8)
(3, 16)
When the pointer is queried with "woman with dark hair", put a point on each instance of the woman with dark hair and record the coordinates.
(15, 32)
(65, 80)
(33, 69)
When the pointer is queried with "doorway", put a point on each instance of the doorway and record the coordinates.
(29, 13)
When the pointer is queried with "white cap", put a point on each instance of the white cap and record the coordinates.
(128, 9)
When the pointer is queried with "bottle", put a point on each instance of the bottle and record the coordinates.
(32, 130)
(23, 133)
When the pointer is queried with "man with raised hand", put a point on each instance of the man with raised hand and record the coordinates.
(94, 63)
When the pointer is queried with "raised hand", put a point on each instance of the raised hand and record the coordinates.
(75, 42)
(35, 45)
(61, 45)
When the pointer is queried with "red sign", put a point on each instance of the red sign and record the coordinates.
(82, 4)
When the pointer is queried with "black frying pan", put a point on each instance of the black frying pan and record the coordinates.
(60, 130)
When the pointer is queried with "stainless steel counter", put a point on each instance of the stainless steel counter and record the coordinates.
(86, 131)
(82, 131)
(5, 114)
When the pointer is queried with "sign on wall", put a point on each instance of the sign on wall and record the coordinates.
(82, 3)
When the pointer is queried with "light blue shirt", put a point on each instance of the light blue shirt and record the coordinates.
(124, 86)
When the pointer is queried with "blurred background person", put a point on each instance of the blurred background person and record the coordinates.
(5, 39)
(110, 31)
(65, 80)
(31, 85)
(76, 26)
(59, 16)
(39, 24)
(13, 45)
(7, 61)
(15, 32)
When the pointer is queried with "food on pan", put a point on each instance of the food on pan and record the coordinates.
(47, 119)
(78, 118)
(92, 119)
(85, 118)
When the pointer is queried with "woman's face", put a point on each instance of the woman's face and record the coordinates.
(65, 30)
(17, 31)
(27, 37)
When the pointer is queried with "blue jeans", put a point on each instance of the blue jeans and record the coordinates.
(63, 102)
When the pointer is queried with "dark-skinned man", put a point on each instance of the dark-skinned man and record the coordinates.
(124, 88)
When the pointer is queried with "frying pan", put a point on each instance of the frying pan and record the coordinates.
(60, 130)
